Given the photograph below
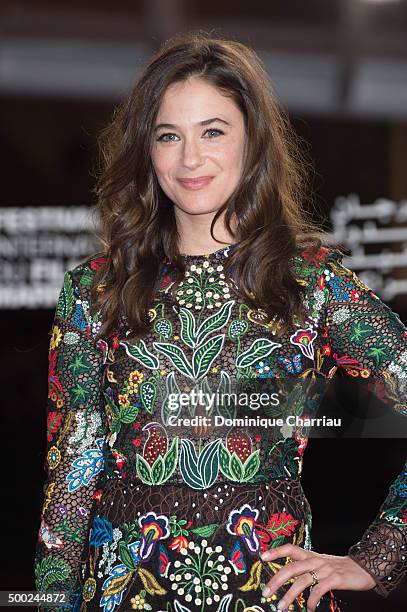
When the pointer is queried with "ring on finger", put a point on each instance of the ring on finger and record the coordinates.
(314, 577)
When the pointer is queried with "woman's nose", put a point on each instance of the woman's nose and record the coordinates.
(192, 153)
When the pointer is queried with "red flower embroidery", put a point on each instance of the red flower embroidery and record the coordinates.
(119, 458)
(302, 442)
(179, 542)
(98, 495)
(115, 342)
(318, 257)
(53, 378)
(326, 349)
(97, 263)
(165, 281)
(53, 422)
(135, 377)
(282, 524)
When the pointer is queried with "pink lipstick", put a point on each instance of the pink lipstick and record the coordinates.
(196, 183)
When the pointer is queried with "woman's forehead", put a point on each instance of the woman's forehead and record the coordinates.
(195, 104)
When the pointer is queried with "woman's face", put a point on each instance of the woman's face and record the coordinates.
(203, 136)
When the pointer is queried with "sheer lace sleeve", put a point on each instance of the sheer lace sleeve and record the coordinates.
(363, 331)
(74, 442)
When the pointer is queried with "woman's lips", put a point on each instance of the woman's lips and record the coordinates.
(195, 184)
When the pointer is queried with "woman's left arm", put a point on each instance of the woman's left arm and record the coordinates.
(361, 333)
(359, 325)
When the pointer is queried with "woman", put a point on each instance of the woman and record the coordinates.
(157, 498)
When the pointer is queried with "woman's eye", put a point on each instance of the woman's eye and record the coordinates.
(214, 130)
(162, 138)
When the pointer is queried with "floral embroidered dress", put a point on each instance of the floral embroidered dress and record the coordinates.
(145, 510)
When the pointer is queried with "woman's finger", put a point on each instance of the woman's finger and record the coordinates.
(286, 550)
(319, 590)
(303, 581)
(294, 570)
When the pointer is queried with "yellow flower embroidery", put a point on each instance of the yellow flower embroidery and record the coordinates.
(137, 602)
(56, 337)
(135, 377)
(124, 400)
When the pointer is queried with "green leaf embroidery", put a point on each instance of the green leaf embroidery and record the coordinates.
(199, 472)
(128, 414)
(251, 465)
(205, 531)
(279, 540)
(236, 467)
(231, 466)
(79, 364)
(170, 460)
(188, 465)
(157, 469)
(79, 394)
(214, 322)
(224, 461)
(208, 463)
(360, 331)
(50, 570)
(379, 354)
(162, 468)
(259, 349)
(87, 277)
(66, 298)
(176, 355)
(206, 355)
(143, 469)
(126, 557)
(187, 327)
(140, 352)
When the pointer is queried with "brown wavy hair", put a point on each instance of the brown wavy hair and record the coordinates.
(137, 220)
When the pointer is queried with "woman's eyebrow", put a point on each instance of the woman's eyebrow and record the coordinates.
(204, 122)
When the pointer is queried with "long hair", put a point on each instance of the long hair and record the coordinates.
(137, 221)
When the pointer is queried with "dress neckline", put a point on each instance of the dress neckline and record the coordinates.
(219, 253)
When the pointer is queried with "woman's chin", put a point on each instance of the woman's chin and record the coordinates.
(198, 208)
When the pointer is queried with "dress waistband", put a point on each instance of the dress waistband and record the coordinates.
(123, 500)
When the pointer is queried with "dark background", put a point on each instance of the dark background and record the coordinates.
(48, 150)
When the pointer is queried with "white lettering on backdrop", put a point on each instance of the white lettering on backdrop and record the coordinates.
(37, 245)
